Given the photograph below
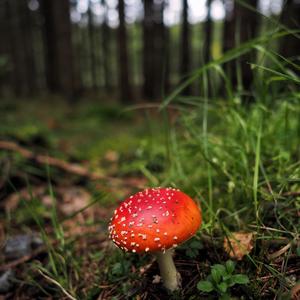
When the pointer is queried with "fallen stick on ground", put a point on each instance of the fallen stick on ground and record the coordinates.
(23, 259)
(65, 166)
(51, 161)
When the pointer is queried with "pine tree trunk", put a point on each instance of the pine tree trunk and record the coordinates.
(208, 33)
(167, 47)
(29, 53)
(7, 75)
(148, 50)
(17, 56)
(290, 44)
(106, 52)
(240, 27)
(93, 64)
(185, 46)
(154, 50)
(58, 44)
(124, 64)
(158, 51)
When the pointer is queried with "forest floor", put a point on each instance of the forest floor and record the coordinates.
(64, 169)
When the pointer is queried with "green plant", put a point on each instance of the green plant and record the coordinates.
(192, 247)
(221, 278)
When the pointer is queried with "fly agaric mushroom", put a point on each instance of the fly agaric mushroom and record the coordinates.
(156, 220)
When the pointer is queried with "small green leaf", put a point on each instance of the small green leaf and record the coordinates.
(205, 286)
(230, 282)
(298, 251)
(225, 297)
(196, 244)
(222, 287)
(227, 277)
(230, 266)
(192, 253)
(216, 275)
(240, 279)
(220, 268)
(117, 269)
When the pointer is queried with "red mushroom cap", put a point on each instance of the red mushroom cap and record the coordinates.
(155, 219)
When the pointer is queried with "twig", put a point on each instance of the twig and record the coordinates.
(295, 292)
(280, 251)
(286, 273)
(57, 284)
(51, 161)
(63, 165)
(23, 259)
(292, 194)
(271, 229)
(5, 172)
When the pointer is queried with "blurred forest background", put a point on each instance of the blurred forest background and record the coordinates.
(132, 50)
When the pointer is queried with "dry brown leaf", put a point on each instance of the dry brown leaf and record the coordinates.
(239, 244)
(13, 200)
(156, 279)
(295, 292)
(73, 199)
(145, 268)
(111, 156)
(69, 199)
(77, 226)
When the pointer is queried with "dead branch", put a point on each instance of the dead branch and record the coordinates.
(23, 259)
(66, 166)
(51, 161)
(291, 194)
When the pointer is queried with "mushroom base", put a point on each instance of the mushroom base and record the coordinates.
(170, 277)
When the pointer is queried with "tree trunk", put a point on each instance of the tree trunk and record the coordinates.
(106, 51)
(208, 33)
(240, 26)
(58, 45)
(22, 60)
(167, 47)
(29, 53)
(124, 64)
(148, 50)
(159, 50)
(93, 64)
(229, 26)
(154, 49)
(290, 45)
(7, 69)
(185, 45)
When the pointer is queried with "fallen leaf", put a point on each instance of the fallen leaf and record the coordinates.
(156, 279)
(73, 199)
(239, 244)
(77, 226)
(111, 156)
(295, 292)
(145, 268)
(13, 200)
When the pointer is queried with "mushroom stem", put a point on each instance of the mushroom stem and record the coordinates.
(170, 277)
